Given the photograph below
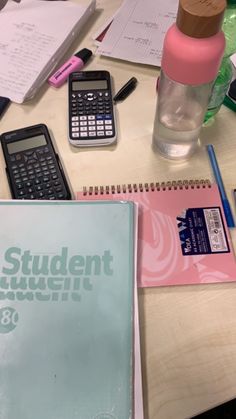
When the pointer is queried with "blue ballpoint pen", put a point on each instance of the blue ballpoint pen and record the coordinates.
(219, 181)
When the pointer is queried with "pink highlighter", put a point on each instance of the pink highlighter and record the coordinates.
(76, 62)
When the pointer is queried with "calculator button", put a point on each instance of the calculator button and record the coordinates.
(46, 179)
(91, 117)
(83, 118)
(92, 128)
(83, 128)
(75, 118)
(54, 177)
(60, 195)
(92, 134)
(83, 123)
(108, 121)
(100, 133)
(29, 161)
(21, 193)
(109, 133)
(100, 122)
(91, 123)
(75, 129)
(75, 135)
(109, 127)
(38, 188)
(75, 124)
(83, 134)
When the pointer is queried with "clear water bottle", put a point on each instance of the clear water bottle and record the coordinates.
(192, 53)
(225, 74)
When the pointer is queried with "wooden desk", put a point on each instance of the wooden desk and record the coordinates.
(188, 333)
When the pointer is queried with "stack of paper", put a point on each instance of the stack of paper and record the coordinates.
(137, 31)
(36, 35)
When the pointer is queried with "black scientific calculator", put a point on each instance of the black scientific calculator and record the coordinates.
(91, 110)
(33, 167)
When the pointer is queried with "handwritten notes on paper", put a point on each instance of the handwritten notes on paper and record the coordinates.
(138, 29)
(31, 45)
(24, 50)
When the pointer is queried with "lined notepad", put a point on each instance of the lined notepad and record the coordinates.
(183, 236)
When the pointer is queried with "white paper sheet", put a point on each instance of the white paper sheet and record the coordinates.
(32, 40)
(138, 29)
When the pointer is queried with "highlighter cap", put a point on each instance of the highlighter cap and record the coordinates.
(200, 19)
(84, 54)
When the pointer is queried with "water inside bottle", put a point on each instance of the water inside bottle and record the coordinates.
(173, 143)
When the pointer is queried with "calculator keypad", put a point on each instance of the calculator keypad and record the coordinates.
(91, 115)
(36, 175)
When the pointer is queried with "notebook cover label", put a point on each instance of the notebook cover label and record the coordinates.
(202, 231)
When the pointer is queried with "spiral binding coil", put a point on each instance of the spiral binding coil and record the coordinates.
(153, 186)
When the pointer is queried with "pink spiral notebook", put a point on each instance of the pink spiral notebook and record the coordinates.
(182, 233)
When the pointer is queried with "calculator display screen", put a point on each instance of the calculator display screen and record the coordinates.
(29, 143)
(89, 85)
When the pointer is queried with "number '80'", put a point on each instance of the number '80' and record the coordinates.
(8, 319)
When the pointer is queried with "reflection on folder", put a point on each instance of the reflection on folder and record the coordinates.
(34, 40)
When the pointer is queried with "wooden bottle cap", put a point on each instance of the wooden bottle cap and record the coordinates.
(200, 18)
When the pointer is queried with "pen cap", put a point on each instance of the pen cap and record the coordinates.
(84, 54)
(200, 19)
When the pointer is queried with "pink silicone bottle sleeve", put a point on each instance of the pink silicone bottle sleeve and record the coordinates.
(192, 61)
